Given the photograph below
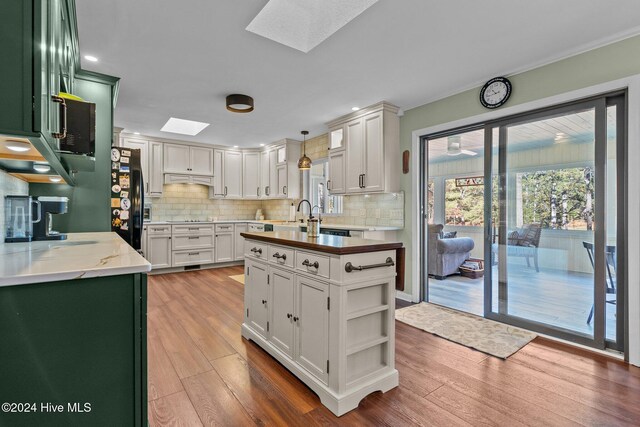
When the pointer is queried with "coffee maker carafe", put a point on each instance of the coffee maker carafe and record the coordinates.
(49, 205)
(18, 218)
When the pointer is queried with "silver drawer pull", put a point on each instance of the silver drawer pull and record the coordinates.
(192, 237)
(194, 253)
(194, 228)
(159, 229)
(308, 264)
(256, 251)
(278, 256)
(348, 267)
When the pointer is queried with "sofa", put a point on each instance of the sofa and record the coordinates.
(445, 255)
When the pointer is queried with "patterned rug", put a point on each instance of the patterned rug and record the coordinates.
(496, 339)
(238, 278)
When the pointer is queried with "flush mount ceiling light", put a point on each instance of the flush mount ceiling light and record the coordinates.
(304, 24)
(40, 167)
(304, 163)
(183, 127)
(17, 146)
(237, 103)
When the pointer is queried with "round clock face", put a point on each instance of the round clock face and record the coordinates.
(495, 92)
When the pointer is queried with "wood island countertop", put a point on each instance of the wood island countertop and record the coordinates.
(336, 245)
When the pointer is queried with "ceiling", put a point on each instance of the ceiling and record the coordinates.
(180, 59)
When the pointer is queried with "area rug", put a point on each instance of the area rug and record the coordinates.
(238, 278)
(496, 339)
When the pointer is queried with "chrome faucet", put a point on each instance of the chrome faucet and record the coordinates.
(310, 208)
(319, 213)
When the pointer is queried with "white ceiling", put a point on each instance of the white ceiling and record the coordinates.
(181, 58)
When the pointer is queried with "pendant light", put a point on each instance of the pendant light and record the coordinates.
(304, 163)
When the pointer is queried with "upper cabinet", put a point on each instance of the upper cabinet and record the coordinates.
(251, 177)
(151, 163)
(364, 151)
(227, 179)
(188, 160)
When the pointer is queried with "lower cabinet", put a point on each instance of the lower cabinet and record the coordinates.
(159, 250)
(281, 318)
(257, 309)
(224, 246)
(239, 241)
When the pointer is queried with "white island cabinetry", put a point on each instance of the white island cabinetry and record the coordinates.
(324, 308)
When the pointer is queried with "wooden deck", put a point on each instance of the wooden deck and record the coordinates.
(202, 372)
(554, 297)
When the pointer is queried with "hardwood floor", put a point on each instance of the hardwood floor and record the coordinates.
(202, 372)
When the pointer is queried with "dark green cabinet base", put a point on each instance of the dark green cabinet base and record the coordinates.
(73, 343)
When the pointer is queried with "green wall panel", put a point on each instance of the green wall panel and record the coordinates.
(89, 198)
(607, 63)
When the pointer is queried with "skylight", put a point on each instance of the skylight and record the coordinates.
(304, 24)
(183, 127)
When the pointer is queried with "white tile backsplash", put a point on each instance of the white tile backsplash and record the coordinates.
(10, 186)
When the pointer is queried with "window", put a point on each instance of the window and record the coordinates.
(560, 199)
(315, 189)
(464, 205)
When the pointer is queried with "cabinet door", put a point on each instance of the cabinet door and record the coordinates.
(264, 174)
(355, 157)
(239, 241)
(143, 146)
(218, 173)
(281, 315)
(257, 288)
(155, 178)
(176, 159)
(201, 161)
(232, 174)
(281, 173)
(273, 174)
(251, 175)
(373, 170)
(336, 182)
(224, 247)
(312, 326)
(282, 154)
(159, 251)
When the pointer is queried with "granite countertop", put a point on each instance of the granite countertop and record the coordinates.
(336, 245)
(82, 255)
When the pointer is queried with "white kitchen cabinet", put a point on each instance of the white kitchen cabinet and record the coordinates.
(187, 159)
(159, 250)
(224, 246)
(239, 240)
(282, 181)
(257, 313)
(154, 181)
(311, 317)
(227, 181)
(251, 175)
(173, 178)
(264, 174)
(143, 146)
(337, 168)
(273, 174)
(371, 139)
(281, 313)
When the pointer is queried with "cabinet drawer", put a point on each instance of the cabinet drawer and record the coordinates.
(183, 242)
(281, 256)
(158, 229)
(254, 249)
(377, 260)
(313, 264)
(193, 229)
(193, 257)
(221, 228)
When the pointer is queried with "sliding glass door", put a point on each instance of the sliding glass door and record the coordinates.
(548, 224)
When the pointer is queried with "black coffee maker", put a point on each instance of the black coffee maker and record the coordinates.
(49, 205)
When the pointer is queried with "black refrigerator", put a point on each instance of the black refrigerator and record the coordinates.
(127, 195)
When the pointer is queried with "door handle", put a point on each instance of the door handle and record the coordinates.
(284, 190)
(267, 191)
(258, 192)
(63, 133)
(225, 191)
(278, 256)
(363, 183)
(264, 301)
(295, 318)
(308, 264)
(328, 186)
(256, 251)
(289, 315)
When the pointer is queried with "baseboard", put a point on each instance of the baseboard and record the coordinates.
(404, 296)
(188, 268)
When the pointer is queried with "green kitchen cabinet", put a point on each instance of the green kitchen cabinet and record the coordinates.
(76, 343)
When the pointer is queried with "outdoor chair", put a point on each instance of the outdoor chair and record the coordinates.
(610, 257)
(524, 242)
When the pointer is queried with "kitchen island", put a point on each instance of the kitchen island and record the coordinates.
(324, 308)
(73, 327)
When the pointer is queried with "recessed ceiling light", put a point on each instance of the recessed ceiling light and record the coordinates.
(235, 146)
(39, 167)
(55, 178)
(17, 146)
(136, 133)
(184, 127)
(355, 108)
(261, 145)
(91, 58)
(304, 24)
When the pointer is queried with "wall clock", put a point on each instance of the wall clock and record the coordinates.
(495, 92)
